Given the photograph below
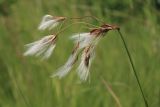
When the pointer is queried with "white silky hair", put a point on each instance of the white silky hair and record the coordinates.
(84, 39)
(83, 70)
(42, 47)
(66, 68)
(49, 51)
(49, 22)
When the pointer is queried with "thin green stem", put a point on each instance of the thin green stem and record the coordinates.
(110, 90)
(133, 67)
(21, 92)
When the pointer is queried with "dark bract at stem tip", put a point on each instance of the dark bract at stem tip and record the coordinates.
(110, 27)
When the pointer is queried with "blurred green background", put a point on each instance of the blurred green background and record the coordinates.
(26, 82)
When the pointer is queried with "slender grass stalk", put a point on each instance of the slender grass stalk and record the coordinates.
(19, 90)
(109, 88)
(133, 67)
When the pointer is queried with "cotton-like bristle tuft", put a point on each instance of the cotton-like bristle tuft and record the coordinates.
(64, 70)
(48, 53)
(83, 69)
(43, 47)
(49, 22)
(84, 39)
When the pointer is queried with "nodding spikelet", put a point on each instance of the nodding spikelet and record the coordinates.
(84, 39)
(64, 70)
(84, 42)
(43, 47)
(50, 22)
(87, 56)
(81, 40)
(86, 60)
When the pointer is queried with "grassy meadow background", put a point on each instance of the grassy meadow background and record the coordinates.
(26, 82)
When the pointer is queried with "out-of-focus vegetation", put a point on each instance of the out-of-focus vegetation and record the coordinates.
(26, 82)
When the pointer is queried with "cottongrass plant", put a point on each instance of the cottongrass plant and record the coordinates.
(49, 21)
(85, 44)
(45, 46)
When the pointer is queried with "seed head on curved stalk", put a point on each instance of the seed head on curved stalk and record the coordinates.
(43, 47)
(49, 21)
(86, 42)
(83, 41)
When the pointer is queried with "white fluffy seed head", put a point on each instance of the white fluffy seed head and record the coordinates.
(87, 42)
(84, 39)
(43, 47)
(83, 69)
(87, 57)
(65, 69)
(49, 51)
(49, 22)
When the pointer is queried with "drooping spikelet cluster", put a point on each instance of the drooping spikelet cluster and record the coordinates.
(45, 46)
(85, 44)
